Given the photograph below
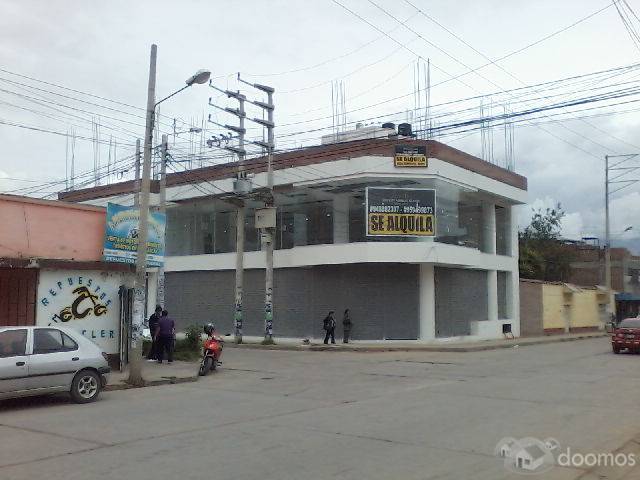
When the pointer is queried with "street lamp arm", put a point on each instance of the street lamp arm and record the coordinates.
(169, 96)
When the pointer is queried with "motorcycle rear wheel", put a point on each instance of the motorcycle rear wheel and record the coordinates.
(205, 366)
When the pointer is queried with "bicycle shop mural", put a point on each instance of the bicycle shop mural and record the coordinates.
(86, 301)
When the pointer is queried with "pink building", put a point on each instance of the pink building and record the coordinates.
(51, 269)
(44, 229)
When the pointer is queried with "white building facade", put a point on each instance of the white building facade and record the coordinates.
(461, 283)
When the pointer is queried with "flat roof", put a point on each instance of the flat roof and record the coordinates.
(49, 203)
(310, 156)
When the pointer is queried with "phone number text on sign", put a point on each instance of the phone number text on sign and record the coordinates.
(403, 212)
(410, 161)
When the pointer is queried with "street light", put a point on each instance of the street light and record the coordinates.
(607, 194)
(135, 357)
(201, 76)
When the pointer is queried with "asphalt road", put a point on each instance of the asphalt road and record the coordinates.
(318, 415)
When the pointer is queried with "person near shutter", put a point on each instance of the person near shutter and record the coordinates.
(346, 325)
(329, 325)
(153, 326)
(164, 336)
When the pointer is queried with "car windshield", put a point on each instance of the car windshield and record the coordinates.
(630, 323)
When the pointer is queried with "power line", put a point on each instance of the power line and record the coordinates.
(325, 62)
(493, 62)
(53, 132)
(71, 89)
(476, 97)
(508, 55)
(66, 120)
(456, 60)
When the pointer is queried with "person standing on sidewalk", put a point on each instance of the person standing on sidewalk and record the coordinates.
(164, 337)
(346, 325)
(153, 326)
(329, 325)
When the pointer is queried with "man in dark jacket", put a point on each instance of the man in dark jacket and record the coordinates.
(346, 325)
(153, 326)
(164, 336)
(329, 325)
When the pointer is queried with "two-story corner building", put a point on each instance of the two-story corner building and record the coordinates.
(460, 282)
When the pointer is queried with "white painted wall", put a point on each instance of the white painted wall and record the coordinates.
(427, 302)
(364, 252)
(426, 253)
(60, 302)
(351, 168)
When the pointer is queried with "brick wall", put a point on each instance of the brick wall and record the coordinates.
(531, 308)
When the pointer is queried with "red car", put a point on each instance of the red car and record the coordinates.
(626, 335)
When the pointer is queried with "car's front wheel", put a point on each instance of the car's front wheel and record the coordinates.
(85, 387)
(616, 349)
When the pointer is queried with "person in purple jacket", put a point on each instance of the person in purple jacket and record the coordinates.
(165, 332)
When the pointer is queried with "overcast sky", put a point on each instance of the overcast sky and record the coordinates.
(299, 47)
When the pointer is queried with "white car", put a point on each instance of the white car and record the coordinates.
(42, 360)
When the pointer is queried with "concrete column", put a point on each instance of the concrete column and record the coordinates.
(492, 295)
(341, 219)
(488, 227)
(152, 291)
(514, 300)
(513, 228)
(513, 293)
(427, 302)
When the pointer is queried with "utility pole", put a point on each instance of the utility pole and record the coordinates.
(140, 293)
(241, 187)
(162, 208)
(607, 194)
(607, 241)
(135, 357)
(136, 197)
(268, 232)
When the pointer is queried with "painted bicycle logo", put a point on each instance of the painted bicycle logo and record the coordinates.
(80, 307)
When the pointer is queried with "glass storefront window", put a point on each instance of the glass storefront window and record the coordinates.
(503, 279)
(503, 235)
(306, 217)
(307, 223)
(207, 227)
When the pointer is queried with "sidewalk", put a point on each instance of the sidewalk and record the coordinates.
(413, 346)
(156, 374)
(180, 372)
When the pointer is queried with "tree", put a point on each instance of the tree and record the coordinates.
(543, 255)
(545, 225)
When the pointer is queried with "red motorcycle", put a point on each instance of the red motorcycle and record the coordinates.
(211, 351)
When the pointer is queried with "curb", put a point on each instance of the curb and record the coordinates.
(417, 348)
(151, 383)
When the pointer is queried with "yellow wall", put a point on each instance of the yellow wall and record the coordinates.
(585, 312)
(552, 306)
(583, 308)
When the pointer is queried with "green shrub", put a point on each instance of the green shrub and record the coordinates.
(192, 337)
(146, 346)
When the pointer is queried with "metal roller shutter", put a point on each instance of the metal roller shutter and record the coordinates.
(383, 299)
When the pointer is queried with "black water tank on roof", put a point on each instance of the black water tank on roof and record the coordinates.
(389, 125)
(405, 129)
